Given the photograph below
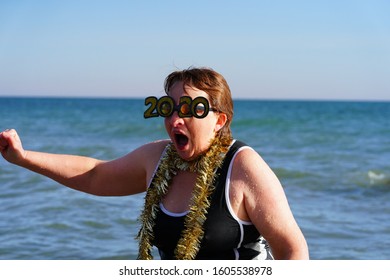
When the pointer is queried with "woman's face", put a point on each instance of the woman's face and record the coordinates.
(191, 136)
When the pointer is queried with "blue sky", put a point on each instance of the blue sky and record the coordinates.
(335, 49)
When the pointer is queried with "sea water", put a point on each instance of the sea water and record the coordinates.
(333, 159)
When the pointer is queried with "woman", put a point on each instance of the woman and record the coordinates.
(207, 195)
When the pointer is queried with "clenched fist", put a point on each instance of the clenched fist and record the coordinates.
(11, 146)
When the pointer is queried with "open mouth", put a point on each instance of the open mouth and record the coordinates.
(181, 140)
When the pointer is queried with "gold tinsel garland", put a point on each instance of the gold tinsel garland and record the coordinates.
(205, 166)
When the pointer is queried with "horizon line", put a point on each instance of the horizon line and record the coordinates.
(234, 98)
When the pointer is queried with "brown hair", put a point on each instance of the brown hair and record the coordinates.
(211, 82)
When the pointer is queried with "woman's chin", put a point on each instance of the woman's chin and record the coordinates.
(185, 155)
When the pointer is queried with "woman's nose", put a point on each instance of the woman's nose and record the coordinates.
(175, 120)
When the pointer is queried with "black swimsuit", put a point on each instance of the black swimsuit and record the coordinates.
(226, 236)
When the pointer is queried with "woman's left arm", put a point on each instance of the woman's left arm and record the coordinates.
(267, 207)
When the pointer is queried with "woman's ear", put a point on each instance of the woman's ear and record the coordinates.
(221, 121)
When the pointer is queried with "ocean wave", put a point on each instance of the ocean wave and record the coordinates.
(378, 178)
(369, 183)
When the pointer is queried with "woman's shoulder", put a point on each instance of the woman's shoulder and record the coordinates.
(153, 149)
(145, 157)
(157, 144)
(242, 150)
(247, 158)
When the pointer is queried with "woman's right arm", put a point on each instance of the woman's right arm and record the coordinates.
(123, 176)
